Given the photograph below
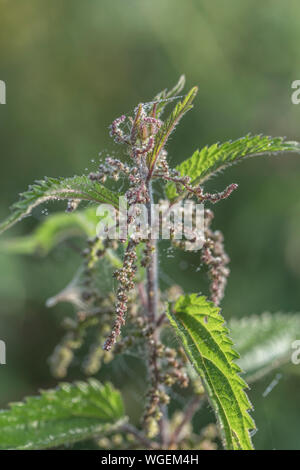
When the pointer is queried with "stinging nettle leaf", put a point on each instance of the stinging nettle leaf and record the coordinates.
(77, 188)
(211, 159)
(169, 125)
(69, 413)
(201, 329)
(264, 342)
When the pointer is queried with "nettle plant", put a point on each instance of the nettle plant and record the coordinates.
(180, 339)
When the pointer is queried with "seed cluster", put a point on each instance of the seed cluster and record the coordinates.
(111, 168)
(125, 276)
(94, 313)
(185, 187)
(213, 255)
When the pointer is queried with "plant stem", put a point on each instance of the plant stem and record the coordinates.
(139, 436)
(189, 412)
(152, 296)
(152, 279)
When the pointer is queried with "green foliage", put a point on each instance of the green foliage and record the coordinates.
(79, 188)
(211, 159)
(200, 327)
(169, 125)
(164, 97)
(69, 413)
(85, 410)
(52, 231)
(264, 342)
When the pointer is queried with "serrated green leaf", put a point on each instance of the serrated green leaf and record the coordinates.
(70, 413)
(169, 125)
(77, 187)
(200, 327)
(264, 342)
(212, 159)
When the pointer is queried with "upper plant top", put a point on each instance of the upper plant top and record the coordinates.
(131, 258)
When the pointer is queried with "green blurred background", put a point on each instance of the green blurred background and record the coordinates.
(70, 68)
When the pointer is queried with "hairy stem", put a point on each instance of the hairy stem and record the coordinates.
(189, 412)
(152, 296)
(152, 276)
(152, 284)
(147, 443)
